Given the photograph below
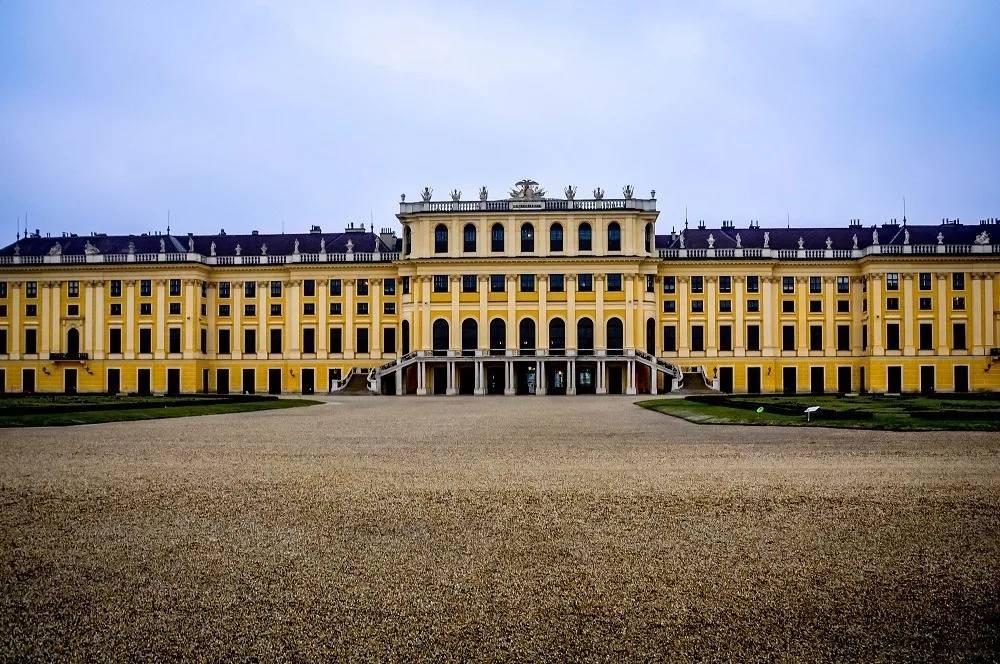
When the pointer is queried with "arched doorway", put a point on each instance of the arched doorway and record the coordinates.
(616, 335)
(73, 341)
(406, 334)
(585, 334)
(470, 336)
(651, 336)
(498, 336)
(526, 333)
(557, 334)
(439, 336)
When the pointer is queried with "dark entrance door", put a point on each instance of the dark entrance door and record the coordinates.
(555, 378)
(753, 380)
(143, 379)
(467, 380)
(73, 342)
(585, 383)
(27, 381)
(843, 379)
(651, 336)
(494, 380)
(222, 381)
(173, 381)
(249, 381)
(308, 381)
(961, 379)
(894, 380)
(114, 381)
(817, 380)
(69, 378)
(788, 378)
(274, 381)
(440, 380)
(614, 380)
(726, 379)
(927, 380)
(204, 381)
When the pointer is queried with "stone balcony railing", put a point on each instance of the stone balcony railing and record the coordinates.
(545, 205)
(818, 254)
(194, 257)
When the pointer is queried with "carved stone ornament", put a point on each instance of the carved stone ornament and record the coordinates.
(484, 193)
(239, 250)
(56, 250)
(739, 241)
(350, 246)
(17, 250)
(263, 249)
(131, 247)
(983, 238)
(570, 192)
(801, 243)
(527, 190)
(90, 249)
(940, 238)
(652, 194)
(456, 195)
(627, 191)
(711, 241)
(426, 194)
(599, 193)
(767, 240)
(163, 246)
(829, 243)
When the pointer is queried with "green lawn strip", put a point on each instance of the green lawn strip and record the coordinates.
(700, 413)
(100, 416)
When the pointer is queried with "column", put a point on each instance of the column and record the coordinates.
(480, 375)
(16, 329)
(908, 319)
(542, 332)
(129, 319)
(600, 386)
(711, 346)
(739, 325)
(450, 371)
(508, 383)
(348, 335)
(570, 313)
(570, 377)
(540, 386)
(323, 333)
(44, 347)
(455, 328)
(988, 309)
(293, 330)
(99, 308)
(683, 305)
(421, 378)
(237, 340)
(375, 335)
(875, 321)
(654, 379)
(425, 322)
(161, 318)
(263, 341)
(631, 378)
(769, 314)
(511, 311)
(802, 314)
(484, 320)
(599, 323)
(857, 324)
(55, 315)
(213, 317)
(942, 309)
(977, 323)
(829, 329)
(191, 320)
(400, 379)
(631, 329)
(87, 342)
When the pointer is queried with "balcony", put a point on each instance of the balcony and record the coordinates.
(69, 357)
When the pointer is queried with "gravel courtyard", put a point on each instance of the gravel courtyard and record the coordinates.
(526, 528)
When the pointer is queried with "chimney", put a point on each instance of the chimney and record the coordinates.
(388, 237)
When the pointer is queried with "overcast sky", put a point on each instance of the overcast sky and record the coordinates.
(245, 114)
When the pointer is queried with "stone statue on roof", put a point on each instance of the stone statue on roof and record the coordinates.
(855, 240)
(875, 236)
(211, 248)
(190, 244)
(295, 248)
(940, 237)
(263, 249)
(739, 241)
(711, 241)
(56, 250)
(682, 240)
(484, 193)
(767, 240)
(426, 194)
(906, 236)
(322, 245)
(570, 192)
(350, 246)
(163, 246)
(17, 250)
(90, 249)
(829, 242)
(131, 247)
(801, 242)
(983, 238)
(239, 250)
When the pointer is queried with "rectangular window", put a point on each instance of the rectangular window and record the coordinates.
(440, 283)
(697, 284)
(174, 337)
(31, 289)
(925, 281)
(958, 281)
(145, 288)
(406, 285)
(308, 308)
(670, 284)
(815, 306)
(843, 306)
(725, 284)
(469, 283)
(309, 340)
(335, 309)
(753, 337)
(175, 287)
(389, 308)
(864, 337)
(73, 289)
(275, 346)
(843, 285)
(204, 340)
(892, 336)
(527, 283)
(250, 289)
(30, 310)
(788, 306)
(204, 289)
(275, 309)
(225, 290)
(958, 303)
(115, 340)
(362, 287)
(650, 283)
(787, 337)
(335, 288)
(224, 310)
(725, 337)
(308, 287)
(669, 339)
(892, 304)
(31, 341)
(697, 306)
(3, 288)
(497, 283)
(843, 337)
(788, 284)
(224, 345)
(697, 338)
(958, 336)
(362, 345)
(585, 283)
(725, 306)
(815, 285)
(753, 284)
(3, 310)
(389, 287)
(336, 340)
(815, 337)
(389, 340)
(925, 304)
(669, 306)
(362, 308)
(145, 309)
(614, 283)
(275, 289)
(73, 310)
(116, 309)
(753, 306)
(926, 336)
(557, 283)
(249, 309)
(892, 281)
(249, 340)
(174, 309)
(116, 288)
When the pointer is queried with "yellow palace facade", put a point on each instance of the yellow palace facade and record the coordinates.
(523, 294)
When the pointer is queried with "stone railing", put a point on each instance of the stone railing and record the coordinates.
(820, 254)
(508, 205)
(172, 257)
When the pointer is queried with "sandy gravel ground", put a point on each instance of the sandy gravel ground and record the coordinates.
(517, 528)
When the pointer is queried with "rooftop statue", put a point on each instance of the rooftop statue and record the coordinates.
(527, 190)
(767, 240)
(322, 245)
(940, 237)
(570, 192)
(627, 191)
(801, 242)
(17, 250)
(829, 243)
(682, 240)
(211, 249)
(90, 249)
(131, 247)
(263, 249)
(711, 241)
(875, 236)
(599, 193)
(484, 193)
(906, 236)
(56, 250)
(163, 246)
(855, 240)
(190, 245)
(350, 246)
(739, 241)
(426, 194)
(295, 247)
(983, 238)
(456, 195)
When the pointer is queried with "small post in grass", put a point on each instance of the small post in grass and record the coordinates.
(810, 410)
(760, 409)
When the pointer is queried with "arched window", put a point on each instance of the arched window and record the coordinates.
(498, 334)
(651, 336)
(527, 237)
(440, 335)
(496, 237)
(73, 341)
(649, 238)
(441, 239)
(586, 237)
(614, 236)
(469, 238)
(557, 334)
(585, 334)
(527, 334)
(616, 334)
(406, 334)
(556, 237)
(470, 334)
(406, 240)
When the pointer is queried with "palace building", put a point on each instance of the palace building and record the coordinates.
(525, 294)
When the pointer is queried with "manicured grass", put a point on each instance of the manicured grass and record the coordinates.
(12, 418)
(889, 413)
